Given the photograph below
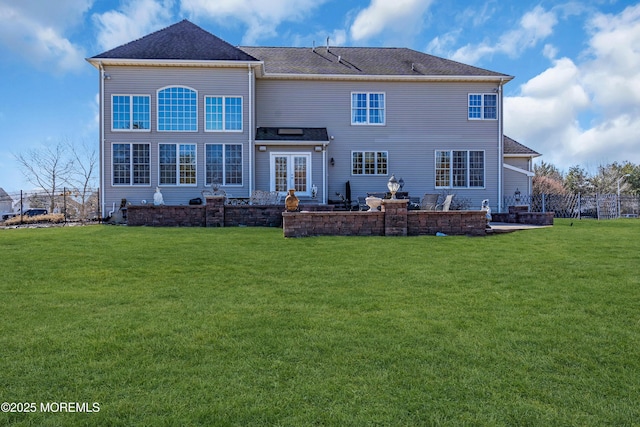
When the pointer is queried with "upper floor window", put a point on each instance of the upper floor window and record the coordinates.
(223, 113)
(177, 109)
(483, 106)
(177, 164)
(367, 108)
(131, 164)
(369, 162)
(224, 164)
(131, 112)
(460, 169)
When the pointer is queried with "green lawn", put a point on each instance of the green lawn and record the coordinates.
(240, 326)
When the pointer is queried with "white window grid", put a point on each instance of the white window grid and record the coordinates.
(459, 169)
(368, 108)
(369, 163)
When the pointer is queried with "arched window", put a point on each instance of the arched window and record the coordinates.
(177, 109)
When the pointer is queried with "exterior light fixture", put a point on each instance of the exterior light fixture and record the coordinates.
(393, 185)
(401, 182)
(517, 195)
(333, 162)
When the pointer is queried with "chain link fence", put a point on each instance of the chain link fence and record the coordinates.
(598, 206)
(64, 205)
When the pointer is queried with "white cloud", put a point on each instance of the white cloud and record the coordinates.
(261, 17)
(613, 73)
(534, 26)
(136, 18)
(586, 113)
(38, 33)
(405, 16)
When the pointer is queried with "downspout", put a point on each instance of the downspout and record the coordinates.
(500, 149)
(251, 147)
(101, 131)
(324, 174)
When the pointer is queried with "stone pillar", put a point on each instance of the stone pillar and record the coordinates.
(395, 217)
(214, 215)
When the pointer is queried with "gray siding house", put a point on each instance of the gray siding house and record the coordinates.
(185, 111)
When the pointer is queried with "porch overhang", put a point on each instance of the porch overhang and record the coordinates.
(292, 136)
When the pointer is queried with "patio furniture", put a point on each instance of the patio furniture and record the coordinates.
(362, 203)
(429, 202)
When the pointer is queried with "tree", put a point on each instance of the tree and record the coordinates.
(547, 185)
(577, 180)
(48, 168)
(82, 177)
(548, 170)
(547, 180)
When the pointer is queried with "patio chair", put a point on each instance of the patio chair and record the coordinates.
(429, 202)
(362, 203)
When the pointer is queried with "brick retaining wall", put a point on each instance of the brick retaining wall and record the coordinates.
(392, 220)
(214, 214)
(521, 215)
(314, 220)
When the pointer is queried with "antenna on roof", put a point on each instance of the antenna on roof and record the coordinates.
(327, 43)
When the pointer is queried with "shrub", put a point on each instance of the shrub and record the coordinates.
(49, 218)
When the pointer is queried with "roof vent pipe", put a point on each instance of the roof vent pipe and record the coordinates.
(327, 44)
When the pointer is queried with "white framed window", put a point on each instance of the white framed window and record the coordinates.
(223, 163)
(291, 170)
(369, 162)
(483, 106)
(459, 169)
(223, 113)
(131, 164)
(131, 113)
(177, 164)
(367, 108)
(177, 109)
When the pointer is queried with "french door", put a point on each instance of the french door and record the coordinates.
(291, 170)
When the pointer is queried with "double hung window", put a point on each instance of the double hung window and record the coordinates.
(369, 162)
(223, 113)
(177, 109)
(483, 106)
(367, 108)
(131, 112)
(177, 164)
(223, 164)
(131, 164)
(459, 169)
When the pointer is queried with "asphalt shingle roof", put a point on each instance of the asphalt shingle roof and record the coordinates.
(181, 41)
(514, 147)
(360, 61)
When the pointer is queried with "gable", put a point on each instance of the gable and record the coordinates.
(181, 41)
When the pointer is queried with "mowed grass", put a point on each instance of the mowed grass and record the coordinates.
(240, 326)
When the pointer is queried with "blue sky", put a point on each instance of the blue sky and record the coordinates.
(575, 98)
